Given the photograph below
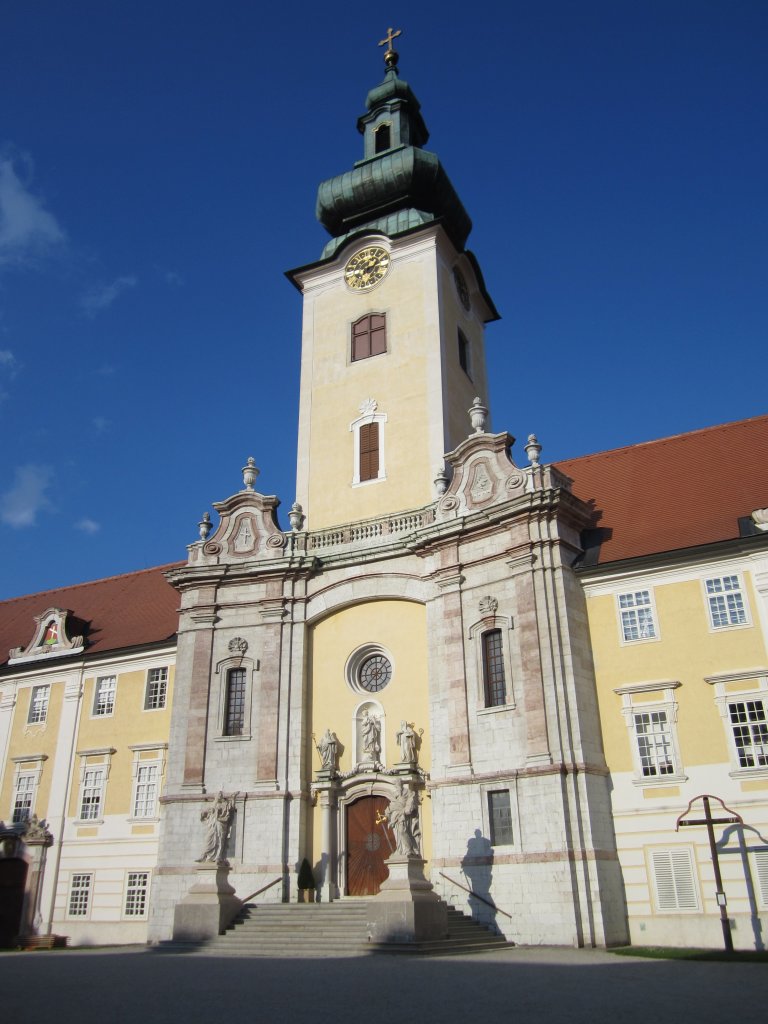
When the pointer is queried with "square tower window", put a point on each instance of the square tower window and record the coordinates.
(369, 336)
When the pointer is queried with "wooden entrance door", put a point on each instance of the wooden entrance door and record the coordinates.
(367, 846)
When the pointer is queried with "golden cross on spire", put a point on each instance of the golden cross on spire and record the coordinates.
(390, 57)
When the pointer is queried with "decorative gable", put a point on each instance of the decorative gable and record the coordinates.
(50, 640)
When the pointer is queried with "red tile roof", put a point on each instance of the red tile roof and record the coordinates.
(678, 492)
(120, 611)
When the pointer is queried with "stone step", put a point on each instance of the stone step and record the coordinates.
(328, 930)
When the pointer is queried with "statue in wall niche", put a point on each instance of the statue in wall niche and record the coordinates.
(403, 819)
(408, 741)
(371, 735)
(328, 749)
(216, 821)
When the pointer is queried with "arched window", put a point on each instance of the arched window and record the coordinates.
(383, 137)
(494, 681)
(369, 336)
(234, 703)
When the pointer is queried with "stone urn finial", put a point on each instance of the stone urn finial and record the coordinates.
(296, 517)
(250, 472)
(205, 526)
(441, 481)
(533, 450)
(478, 415)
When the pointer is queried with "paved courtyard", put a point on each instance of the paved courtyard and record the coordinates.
(543, 985)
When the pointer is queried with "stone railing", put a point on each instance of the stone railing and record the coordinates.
(370, 531)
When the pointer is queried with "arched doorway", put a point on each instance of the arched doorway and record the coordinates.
(367, 846)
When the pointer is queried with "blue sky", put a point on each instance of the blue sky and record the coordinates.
(158, 169)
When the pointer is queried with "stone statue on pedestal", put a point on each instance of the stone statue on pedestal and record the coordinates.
(216, 820)
(328, 749)
(403, 819)
(408, 741)
(371, 736)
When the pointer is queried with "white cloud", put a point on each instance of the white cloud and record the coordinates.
(100, 424)
(20, 504)
(7, 357)
(102, 296)
(88, 525)
(26, 228)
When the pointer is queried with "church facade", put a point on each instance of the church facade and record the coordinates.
(550, 660)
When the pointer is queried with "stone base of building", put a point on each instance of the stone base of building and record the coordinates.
(407, 909)
(209, 906)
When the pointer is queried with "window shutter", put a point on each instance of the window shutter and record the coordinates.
(761, 864)
(369, 451)
(673, 876)
(378, 334)
(369, 336)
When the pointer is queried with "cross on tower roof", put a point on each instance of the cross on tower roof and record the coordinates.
(390, 57)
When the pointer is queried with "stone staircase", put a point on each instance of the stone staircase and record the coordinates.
(327, 930)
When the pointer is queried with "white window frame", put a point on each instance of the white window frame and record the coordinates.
(142, 892)
(710, 597)
(23, 797)
(40, 714)
(73, 889)
(668, 705)
(369, 417)
(161, 680)
(251, 666)
(724, 698)
(680, 859)
(92, 788)
(510, 654)
(651, 605)
(99, 761)
(97, 686)
(158, 764)
(19, 772)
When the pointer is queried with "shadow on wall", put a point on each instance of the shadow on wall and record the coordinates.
(477, 868)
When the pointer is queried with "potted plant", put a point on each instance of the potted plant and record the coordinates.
(306, 883)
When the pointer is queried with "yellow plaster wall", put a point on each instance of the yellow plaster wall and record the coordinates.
(401, 628)
(687, 651)
(129, 725)
(32, 739)
(397, 379)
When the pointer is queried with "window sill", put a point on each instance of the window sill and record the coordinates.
(646, 782)
(245, 737)
(499, 709)
(749, 773)
(143, 821)
(367, 483)
(87, 822)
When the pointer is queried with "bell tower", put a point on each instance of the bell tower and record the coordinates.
(393, 323)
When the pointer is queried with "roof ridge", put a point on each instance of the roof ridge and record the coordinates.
(662, 440)
(90, 583)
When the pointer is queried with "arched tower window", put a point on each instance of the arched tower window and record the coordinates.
(369, 336)
(383, 137)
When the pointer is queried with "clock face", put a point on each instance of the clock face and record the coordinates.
(366, 267)
(461, 288)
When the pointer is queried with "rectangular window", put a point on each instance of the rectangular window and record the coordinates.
(23, 796)
(79, 895)
(234, 710)
(92, 794)
(637, 616)
(104, 697)
(369, 451)
(157, 689)
(726, 602)
(145, 793)
(674, 880)
(654, 743)
(369, 336)
(465, 360)
(136, 893)
(38, 704)
(493, 669)
(500, 817)
(750, 732)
